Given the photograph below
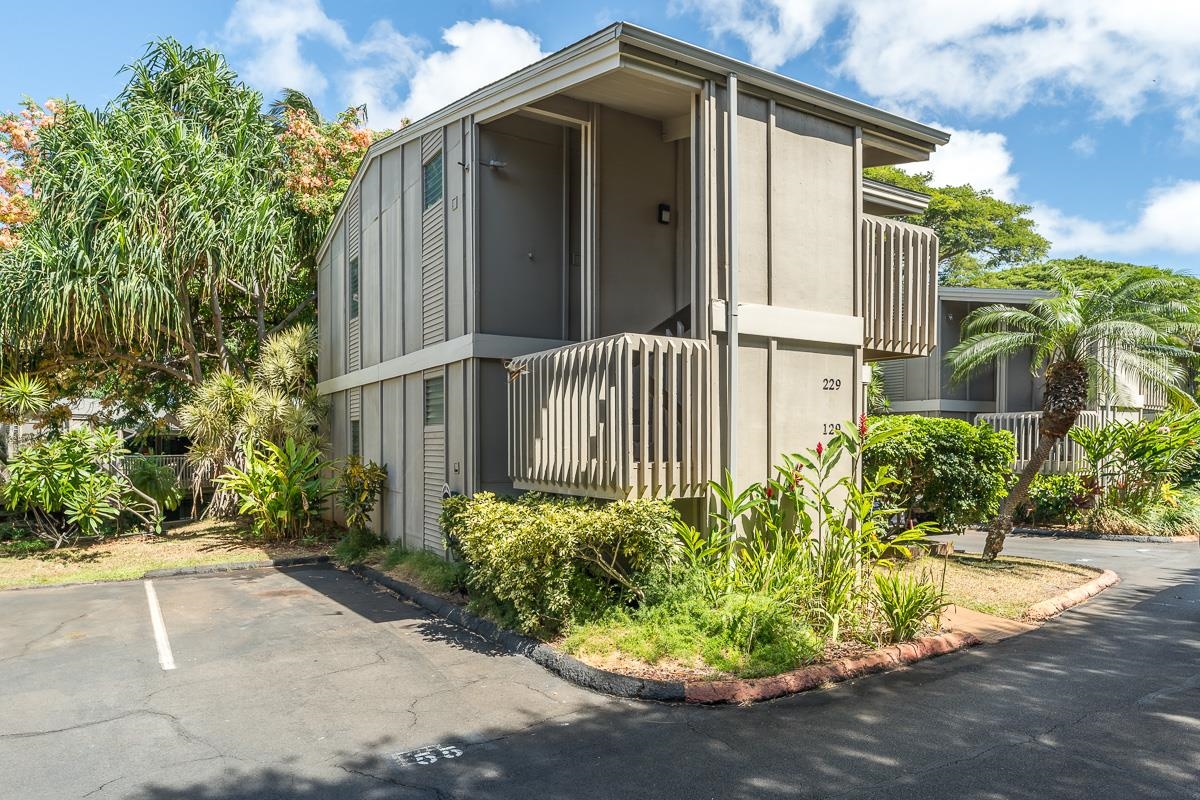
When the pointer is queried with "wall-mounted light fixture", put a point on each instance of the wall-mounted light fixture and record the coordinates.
(664, 214)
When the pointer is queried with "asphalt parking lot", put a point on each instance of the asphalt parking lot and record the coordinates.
(308, 683)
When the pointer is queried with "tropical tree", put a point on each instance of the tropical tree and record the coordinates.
(1085, 342)
(977, 231)
(164, 246)
(228, 414)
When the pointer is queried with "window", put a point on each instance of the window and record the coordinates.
(355, 437)
(431, 180)
(354, 288)
(435, 401)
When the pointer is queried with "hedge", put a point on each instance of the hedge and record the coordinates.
(949, 471)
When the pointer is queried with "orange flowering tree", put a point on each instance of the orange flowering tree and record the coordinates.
(18, 160)
(322, 157)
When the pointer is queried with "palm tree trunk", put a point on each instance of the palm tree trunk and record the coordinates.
(1002, 526)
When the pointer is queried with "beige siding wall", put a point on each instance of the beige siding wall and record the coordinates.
(797, 218)
(413, 274)
(635, 170)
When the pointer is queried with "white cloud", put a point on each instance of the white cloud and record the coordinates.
(480, 52)
(395, 74)
(980, 158)
(275, 29)
(990, 58)
(1166, 221)
(1084, 146)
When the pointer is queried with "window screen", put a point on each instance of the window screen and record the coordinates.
(435, 401)
(354, 288)
(355, 437)
(431, 180)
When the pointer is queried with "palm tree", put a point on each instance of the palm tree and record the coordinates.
(1085, 341)
(294, 100)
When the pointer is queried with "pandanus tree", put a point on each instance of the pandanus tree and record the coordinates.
(1087, 343)
(164, 246)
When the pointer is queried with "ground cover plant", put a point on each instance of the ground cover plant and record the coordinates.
(788, 571)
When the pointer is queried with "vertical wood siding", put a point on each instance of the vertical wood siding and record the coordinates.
(433, 256)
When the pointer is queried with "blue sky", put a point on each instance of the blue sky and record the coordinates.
(1089, 111)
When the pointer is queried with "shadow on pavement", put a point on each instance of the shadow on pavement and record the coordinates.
(1103, 702)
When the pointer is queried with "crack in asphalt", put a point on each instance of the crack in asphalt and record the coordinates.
(29, 645)
(439, 794)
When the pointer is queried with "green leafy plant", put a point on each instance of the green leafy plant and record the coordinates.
(946, 470)
(548, 561)
(281, 488)
(906, 603)
(1057, 498)
(156, 481)
(359, 485)
(73, 486)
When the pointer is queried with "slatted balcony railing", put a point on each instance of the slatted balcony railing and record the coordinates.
(899, 288)
(622, 417)
(1026, 427)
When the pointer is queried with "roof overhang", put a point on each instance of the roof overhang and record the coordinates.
(975, 294)
(887, 200)
(887, 138)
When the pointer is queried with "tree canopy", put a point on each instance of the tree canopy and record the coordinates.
(976, 230)
(164, 237)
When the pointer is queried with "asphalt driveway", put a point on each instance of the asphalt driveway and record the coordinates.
(306, 683)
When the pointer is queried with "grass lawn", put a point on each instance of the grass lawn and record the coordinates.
(1006, 587)
(206, 542)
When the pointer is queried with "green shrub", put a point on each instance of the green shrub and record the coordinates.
(906, 603)
(68, 487)
(1056, 498)
(1136, 461)
(549, 561)
(156, 481)
(280, 489)
(359, 485)
(946, 470)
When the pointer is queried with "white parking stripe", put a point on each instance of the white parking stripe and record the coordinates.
(166, 658)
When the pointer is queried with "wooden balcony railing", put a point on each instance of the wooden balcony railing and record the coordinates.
(1026, 427)
(899, 288)
(622, 417)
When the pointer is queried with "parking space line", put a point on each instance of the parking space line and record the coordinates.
(166, 658)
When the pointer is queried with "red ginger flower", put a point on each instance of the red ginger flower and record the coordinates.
(862, 426)
(820, 448)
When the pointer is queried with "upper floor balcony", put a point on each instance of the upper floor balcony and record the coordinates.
(899, 301)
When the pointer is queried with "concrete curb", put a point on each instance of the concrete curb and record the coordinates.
(1044, 610)
(805, 678)
(730, 691)
(1107, 537)
(206, 569)
(561, 664)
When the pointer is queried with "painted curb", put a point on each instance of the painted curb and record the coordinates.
(1052, 533)
(806, 678)
(561, 664)
(1044, 610)
(714, 692)
(205, 569)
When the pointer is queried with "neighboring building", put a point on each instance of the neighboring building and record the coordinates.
(1008, 396)
(590, 278)
(80, 413)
